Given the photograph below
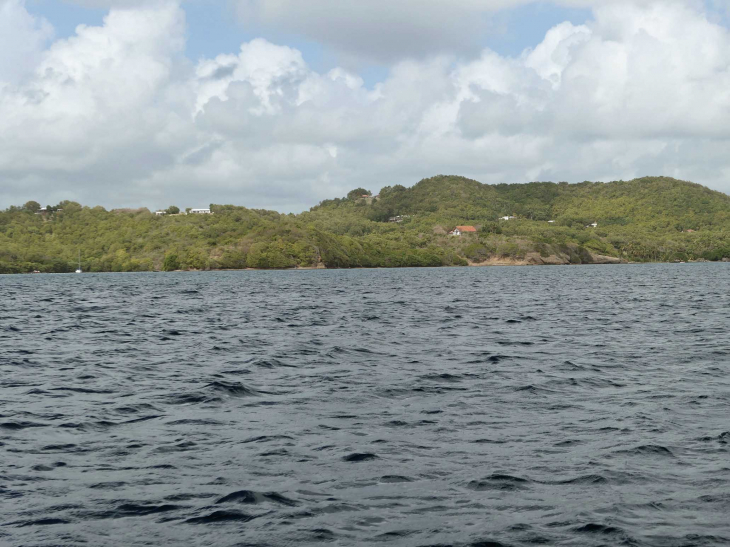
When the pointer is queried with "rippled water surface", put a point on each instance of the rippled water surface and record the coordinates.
(487, 407)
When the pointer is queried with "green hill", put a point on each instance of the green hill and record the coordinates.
(647, 219)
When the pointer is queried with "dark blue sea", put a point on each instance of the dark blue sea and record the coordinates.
(484, 407)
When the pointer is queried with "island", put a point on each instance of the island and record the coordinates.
(440, 221)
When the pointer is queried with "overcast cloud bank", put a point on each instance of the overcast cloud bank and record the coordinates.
(117, 115)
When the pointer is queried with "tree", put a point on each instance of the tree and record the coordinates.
(32, 206)
(171, 263)
(358, 193)
(173, 210)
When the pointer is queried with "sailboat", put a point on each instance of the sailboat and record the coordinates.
(78, 270)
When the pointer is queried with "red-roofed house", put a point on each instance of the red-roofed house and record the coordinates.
(463, 230)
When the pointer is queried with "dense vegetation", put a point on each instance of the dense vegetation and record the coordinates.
(648, 219)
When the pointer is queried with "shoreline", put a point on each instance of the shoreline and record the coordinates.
(493, 262)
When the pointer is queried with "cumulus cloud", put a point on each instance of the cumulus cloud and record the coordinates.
(116, 115)
(22, 39)
(386, 31)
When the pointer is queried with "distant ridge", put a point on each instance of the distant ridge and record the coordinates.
(645, 219)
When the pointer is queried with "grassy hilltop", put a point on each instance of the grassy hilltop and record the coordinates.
(647, 219)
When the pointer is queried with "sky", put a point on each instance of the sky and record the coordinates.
(280, 104)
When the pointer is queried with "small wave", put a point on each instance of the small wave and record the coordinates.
(221, 516)
(60, 447)
(251, 497)
(108, 485)
(437, 389)
(446, 377)
(192, 421)
(600, 383)
(272, 363)
(649, 450)
(82, 390)
(267, 438)
(42, 467)
(569, 442)
(238, 372)
(584, 479)
(179, 447)
(595, 528)
(17, 426)
(189, 496)
(141, 419)
(233, 388)
(39, 522)
(136, 409)
(36, 391)
(140, 510)
(498, 481)
(535, 389)
(569, 366)
(395, 479)
(397, 423)
(277, 452)
(700, 540)
(360, 457)
(191, 398)
(321, 534)
(395, 534)
(488, 441)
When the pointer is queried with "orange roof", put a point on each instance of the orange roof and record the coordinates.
(466, 228)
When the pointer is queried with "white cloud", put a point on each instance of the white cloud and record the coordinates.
(116, 115)
(388, 30)
(22, 40)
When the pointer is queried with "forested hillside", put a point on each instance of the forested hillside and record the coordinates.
(648, 219)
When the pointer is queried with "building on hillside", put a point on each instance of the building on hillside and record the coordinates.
(551, 222)
(463, 230)
(506, 218)
(200, 212)
(41, 211)
(160, 213)
(594, 225)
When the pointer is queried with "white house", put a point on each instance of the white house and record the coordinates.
(594, 225)
(551, 222)
(200, 212)
(160, 213)
(463, 230)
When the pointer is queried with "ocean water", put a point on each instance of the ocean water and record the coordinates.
(585, 406)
